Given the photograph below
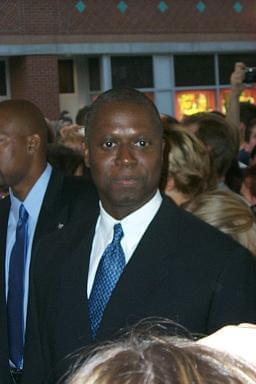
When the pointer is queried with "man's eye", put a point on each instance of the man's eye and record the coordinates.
(141, 143)
(108, 144)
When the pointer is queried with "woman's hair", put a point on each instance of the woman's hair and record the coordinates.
(229, 213)
(219, 135)
(155, 358)
(169, 122)
(189, 163)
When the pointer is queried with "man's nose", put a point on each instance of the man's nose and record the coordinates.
(126, 156)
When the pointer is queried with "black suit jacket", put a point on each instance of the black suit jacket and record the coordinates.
(182, 269)
(66, 199)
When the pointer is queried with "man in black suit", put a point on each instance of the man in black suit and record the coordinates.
(167, 263)
(51, 200)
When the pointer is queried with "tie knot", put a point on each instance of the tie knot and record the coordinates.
(23, 214)
(118, 232)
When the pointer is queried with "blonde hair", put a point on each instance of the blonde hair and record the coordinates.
(153, 358)
(229, 213)
(189, 163)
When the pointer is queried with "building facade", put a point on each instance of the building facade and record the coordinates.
(62, 54)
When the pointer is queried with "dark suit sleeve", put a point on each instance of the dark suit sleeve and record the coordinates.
(34, 364)
(51, 253)
(234, 299)
(42, 272)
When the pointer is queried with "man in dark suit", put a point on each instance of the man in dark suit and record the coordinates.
(51, 200)
(162, 261)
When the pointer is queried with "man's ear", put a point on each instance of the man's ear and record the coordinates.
(33, 143)
(86, 155)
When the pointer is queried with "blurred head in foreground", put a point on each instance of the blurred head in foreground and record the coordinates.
(153, 358)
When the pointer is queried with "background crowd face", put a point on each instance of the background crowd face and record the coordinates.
(252, 141)
(124, 153)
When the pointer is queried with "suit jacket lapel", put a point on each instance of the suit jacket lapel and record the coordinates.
(143, 272)
(4, 214)
(73, 300)
(52, 212)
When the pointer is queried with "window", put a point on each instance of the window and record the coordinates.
(132, 71)
(3, 87)
(94, 73)
(66, 76)
(194, 70)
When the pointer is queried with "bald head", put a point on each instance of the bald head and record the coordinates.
(23, 139)
(129, 96)
(27, 119)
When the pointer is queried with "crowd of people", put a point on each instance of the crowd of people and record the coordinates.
(125, 215)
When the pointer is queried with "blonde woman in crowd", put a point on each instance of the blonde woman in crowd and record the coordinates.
(189, 168)
(151, 357)
(227, 212)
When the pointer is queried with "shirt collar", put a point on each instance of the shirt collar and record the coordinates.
(34, 199)
(139, 217)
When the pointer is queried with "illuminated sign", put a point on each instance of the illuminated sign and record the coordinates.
(248, 95)
(190, 102)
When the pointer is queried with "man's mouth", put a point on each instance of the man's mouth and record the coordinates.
(125, 181)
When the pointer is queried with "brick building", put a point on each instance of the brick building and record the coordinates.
(62, 54)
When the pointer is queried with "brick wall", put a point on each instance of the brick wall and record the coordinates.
(35, 78)
(55, 18)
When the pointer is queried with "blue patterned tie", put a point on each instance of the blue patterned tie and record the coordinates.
(15, 313)
(109, 270)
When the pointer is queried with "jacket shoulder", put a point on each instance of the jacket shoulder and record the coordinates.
(195, 233)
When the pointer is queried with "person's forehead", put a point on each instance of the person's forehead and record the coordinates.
(8, 122)
(14, 125)
(126, 104)
(127, 121)
(117, 114)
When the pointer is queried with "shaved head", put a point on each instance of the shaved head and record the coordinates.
(125, 95)
(27, 118)
(23, 141)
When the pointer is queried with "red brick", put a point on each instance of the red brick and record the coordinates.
(35, 78)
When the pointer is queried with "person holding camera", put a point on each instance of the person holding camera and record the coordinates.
(241, 114)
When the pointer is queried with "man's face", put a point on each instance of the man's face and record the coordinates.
(252, 141)
(14, 158)
(124, 153)
(245, 190)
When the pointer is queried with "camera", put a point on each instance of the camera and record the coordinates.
(250, 75)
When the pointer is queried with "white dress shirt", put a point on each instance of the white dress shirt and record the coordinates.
(32, 203)
(134, 226)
